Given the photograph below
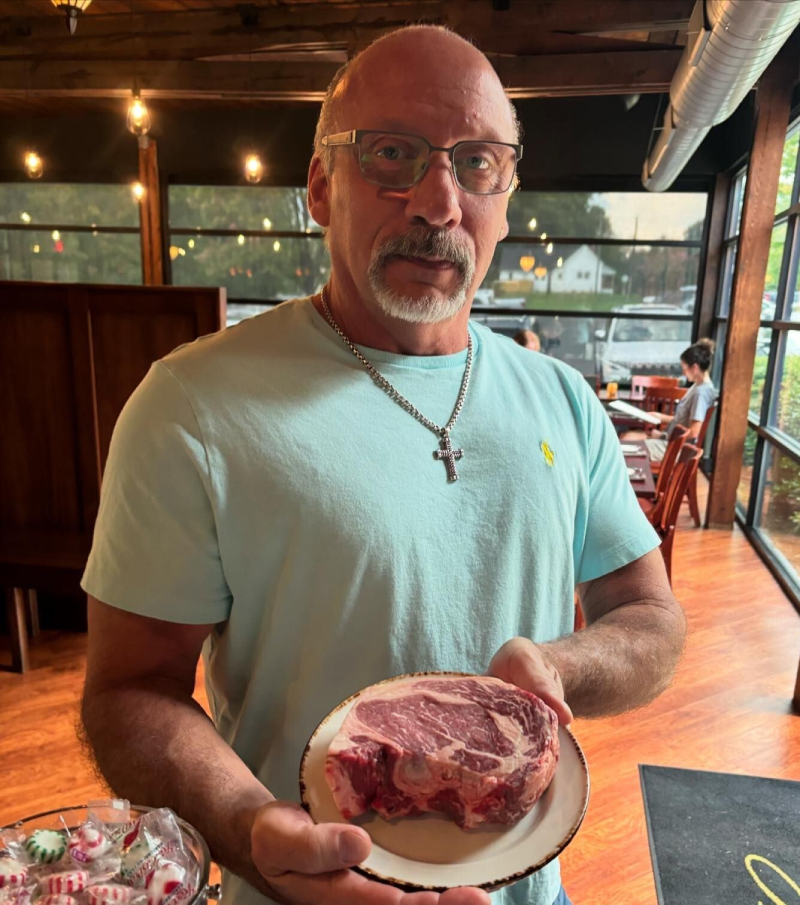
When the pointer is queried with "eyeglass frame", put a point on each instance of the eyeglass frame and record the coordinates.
(353, 138)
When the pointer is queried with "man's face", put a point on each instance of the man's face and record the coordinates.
(418, 253)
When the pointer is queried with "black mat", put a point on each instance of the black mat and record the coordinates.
(720, 839)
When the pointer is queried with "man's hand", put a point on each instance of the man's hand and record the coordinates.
(520, 662)
(304, 863)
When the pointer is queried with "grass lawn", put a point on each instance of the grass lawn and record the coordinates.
(590, 302)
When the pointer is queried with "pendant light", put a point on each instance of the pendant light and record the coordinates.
(71, 8)
(138, 119)
(33, 165)
(253, 168)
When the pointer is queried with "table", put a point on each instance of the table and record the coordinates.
(646, 488)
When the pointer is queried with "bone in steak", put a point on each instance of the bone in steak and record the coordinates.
(474, 748)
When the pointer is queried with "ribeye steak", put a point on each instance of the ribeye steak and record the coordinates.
(474, 748)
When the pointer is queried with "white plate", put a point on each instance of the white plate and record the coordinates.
(430, 852)
(631, 448)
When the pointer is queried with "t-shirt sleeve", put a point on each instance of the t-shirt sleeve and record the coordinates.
(155, 549)
(611, 530)
(700, 404)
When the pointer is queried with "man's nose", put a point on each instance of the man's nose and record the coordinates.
(434, 200)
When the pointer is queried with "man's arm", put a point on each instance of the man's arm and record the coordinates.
(624, 658)
(155, 746)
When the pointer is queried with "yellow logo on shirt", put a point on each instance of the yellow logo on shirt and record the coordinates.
(547, 453)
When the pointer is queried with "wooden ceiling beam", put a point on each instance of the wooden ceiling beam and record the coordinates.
(536, 76)
(189, 35)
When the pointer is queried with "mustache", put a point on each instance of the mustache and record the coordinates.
(421, 242)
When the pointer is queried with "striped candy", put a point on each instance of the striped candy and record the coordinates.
(88, 844)
(12, 873)
(166, 882)
(46, 846)
(108, 893)
(70, 881)
(56, 899)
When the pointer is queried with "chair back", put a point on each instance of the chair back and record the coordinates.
(685, 467)
(641, 382)
(663, 399)
(674, 445)
(701, 437)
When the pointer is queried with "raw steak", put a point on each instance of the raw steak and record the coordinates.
(475, 748)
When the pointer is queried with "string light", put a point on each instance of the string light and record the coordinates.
(56, 235)
(137, 190)
(544, 236)
(532, 223)
(276, 245)
(36, 249)
(25, 216)
(240, 239)
(33, 165)
(190, 243)
(138, 119)
(267, 223)
(549, 248)
(560, 262)
(252, 168)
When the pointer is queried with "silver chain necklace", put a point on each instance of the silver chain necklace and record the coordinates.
(446, 453)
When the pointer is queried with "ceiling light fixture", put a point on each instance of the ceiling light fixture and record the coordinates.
(71, 9)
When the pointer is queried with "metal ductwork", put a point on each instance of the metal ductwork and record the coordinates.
(730, 43)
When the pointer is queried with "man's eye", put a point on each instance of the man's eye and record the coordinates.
(476, 162)
(390, 152)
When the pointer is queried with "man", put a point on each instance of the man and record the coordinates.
(269, 494)
(528, 340)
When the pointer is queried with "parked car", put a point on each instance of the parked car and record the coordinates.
(642, 346)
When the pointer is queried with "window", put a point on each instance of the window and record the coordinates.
(260, 243)
(769, 490)
(66, 232)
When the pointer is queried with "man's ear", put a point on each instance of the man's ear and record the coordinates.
(317, 195)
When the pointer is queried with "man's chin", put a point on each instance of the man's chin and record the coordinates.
(420, 308)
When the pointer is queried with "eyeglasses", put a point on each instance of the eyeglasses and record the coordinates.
(397, 160)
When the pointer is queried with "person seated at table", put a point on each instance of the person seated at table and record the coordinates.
(691, 410)
(528, 340)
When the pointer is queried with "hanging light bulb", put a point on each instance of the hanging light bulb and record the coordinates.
(137, 190)
(252, 168)
(267, 223)
(276, 245)
(560, 262)
(532, 223)
(549, 248)
(71, 9)
(138, 119)
(544, 236)
(240, 239)
(33, 165)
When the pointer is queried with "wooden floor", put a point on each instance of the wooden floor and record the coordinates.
(729, 710)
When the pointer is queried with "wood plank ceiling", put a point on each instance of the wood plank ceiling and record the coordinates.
(210, 51)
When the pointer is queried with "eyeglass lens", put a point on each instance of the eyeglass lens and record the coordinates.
(399, 161)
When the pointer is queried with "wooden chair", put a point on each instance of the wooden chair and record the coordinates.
(694, 507)
(594, 382)
(70, 356)
(686, 465)
(662, 399)
(641, 382)
(652, 508)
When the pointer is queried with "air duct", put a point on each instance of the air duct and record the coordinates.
(730, 43)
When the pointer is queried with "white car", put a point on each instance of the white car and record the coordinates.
(642, 345)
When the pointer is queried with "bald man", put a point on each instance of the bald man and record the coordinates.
(359, 485)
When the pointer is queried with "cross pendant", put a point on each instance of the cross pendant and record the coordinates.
(449, 455)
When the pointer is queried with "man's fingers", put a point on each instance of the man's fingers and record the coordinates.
(286, 839)
(346, 887)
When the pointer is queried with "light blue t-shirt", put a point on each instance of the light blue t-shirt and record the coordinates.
(260, 479)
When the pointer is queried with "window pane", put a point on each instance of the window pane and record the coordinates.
(68, 204)
(770, 298)
(618, 215)
(760, 370)
(746, 479)
(612, 348)
(239, 207)
(592, 278)
(728, 267)
(253, 268)
(737, 200)
(793, 314)
(788, 408)
(788, 170)
(780, 514)
(71, 258)
(239, 311)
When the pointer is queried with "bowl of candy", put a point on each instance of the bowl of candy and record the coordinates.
(104, 853)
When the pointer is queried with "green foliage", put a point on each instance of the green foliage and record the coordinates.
(786, 480)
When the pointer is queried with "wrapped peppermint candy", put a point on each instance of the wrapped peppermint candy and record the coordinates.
(88, 843)
(56, 899)
(156, 835)
(46, 846)
(109, 894)
(67, 882)
(169, 884)
(12, 872)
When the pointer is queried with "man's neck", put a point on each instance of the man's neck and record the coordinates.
(366, 325)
